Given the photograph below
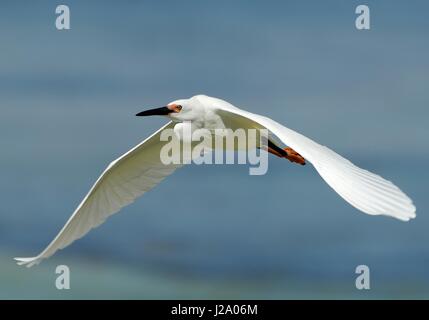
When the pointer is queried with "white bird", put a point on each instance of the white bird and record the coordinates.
(140, 169)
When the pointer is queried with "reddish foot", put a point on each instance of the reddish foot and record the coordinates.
(294, 156)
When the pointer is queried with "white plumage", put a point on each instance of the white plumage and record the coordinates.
(140, 169)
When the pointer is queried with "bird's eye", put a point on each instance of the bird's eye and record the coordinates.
(178, 107)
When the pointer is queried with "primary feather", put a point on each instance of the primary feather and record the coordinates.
(364, 190)
(124, 180)
(140, 169)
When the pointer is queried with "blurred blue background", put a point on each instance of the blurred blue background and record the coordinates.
(67, 103)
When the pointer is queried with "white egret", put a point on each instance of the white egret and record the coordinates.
(140, 169)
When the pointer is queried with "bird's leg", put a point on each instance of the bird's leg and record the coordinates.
(287, 153)
(277, 152)
(294, 156)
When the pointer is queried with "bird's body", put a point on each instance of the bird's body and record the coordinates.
(140, 169)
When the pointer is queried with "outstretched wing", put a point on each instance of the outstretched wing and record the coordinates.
(364, 190)
(124, 180)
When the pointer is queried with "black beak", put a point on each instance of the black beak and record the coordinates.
(163, 111)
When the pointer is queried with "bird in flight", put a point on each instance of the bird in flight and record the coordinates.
(140, 169)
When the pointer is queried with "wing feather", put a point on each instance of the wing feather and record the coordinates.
(364, 190)
(124, 180)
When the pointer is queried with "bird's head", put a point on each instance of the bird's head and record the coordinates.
(178, 110)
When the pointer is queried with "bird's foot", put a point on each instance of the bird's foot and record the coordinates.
(294, 156)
